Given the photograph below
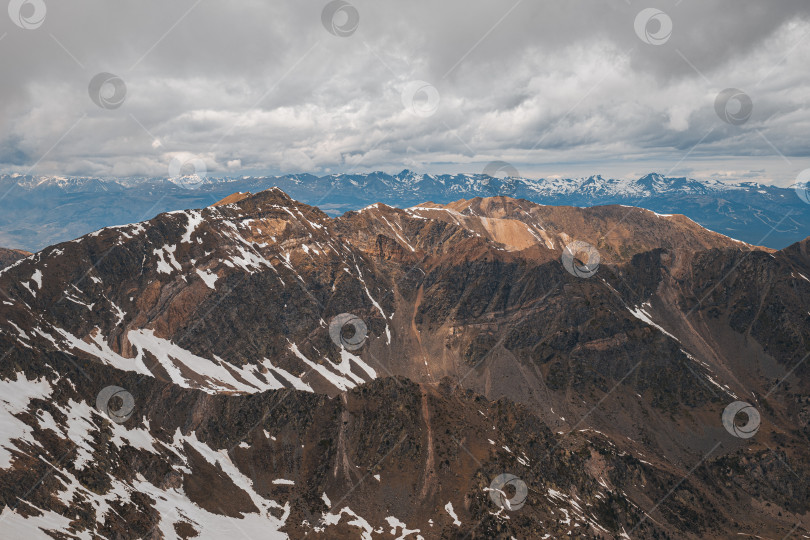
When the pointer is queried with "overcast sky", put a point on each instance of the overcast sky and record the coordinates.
(556, 88)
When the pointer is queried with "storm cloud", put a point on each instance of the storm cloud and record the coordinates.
(554, 88)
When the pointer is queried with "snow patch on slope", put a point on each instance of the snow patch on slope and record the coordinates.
(14, 398)
(210, 278)
(641, 313)
(167, 263)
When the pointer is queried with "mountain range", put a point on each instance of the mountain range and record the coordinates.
(40, 211)
(484, 368)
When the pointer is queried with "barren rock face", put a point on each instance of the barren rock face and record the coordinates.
(380, 372)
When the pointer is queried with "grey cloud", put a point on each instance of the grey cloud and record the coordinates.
(262, 87)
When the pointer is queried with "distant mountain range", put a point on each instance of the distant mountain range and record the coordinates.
(40, 211)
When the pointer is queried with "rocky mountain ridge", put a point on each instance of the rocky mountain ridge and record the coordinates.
(588, 352)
